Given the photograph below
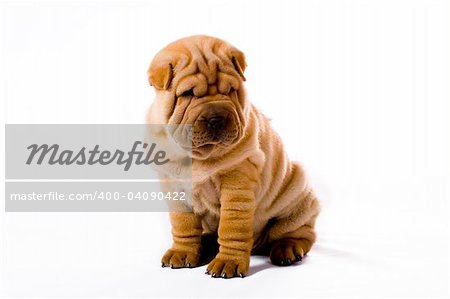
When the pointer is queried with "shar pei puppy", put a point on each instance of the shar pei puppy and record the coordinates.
(246, 192)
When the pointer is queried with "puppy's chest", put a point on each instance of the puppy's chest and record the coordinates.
(206, 196)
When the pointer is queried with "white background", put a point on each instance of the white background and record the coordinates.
(358, 90)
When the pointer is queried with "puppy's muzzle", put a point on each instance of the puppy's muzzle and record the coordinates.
(216, 123)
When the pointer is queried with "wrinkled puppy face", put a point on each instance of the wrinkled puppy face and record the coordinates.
(199, 82)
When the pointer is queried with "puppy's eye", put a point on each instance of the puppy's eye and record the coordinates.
(188, 93)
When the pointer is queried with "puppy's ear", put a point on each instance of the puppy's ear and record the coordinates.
(160, 73)
(238, 59)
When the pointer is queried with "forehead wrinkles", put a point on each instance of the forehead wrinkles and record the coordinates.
(206, 60)
(209, 58)
(195, 81)
(226, 82)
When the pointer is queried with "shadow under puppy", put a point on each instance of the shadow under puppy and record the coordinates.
(245, 189)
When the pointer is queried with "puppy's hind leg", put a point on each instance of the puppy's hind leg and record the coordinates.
(291, 237)
(288, 250)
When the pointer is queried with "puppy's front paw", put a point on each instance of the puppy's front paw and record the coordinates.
(228, 267)
(180, 259)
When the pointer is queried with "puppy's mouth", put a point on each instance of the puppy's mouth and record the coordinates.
(203, 152)
(206, 136)
(214, 129)
(215, 125)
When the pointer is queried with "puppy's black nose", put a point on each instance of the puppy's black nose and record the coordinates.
(216, 123)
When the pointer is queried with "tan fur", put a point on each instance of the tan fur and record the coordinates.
(244, 186)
